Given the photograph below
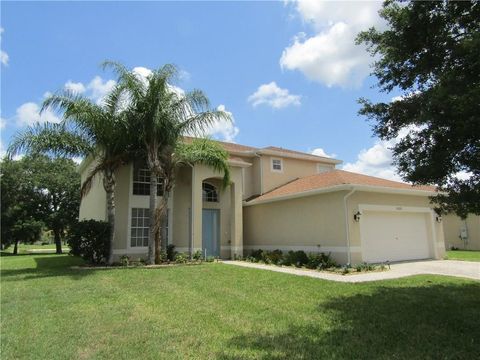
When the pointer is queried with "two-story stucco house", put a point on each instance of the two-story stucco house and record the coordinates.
(278, 199)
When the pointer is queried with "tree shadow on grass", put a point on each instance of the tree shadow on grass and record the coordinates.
(47, 265)
(427, 322)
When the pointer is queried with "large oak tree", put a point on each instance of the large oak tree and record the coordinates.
(430, 52)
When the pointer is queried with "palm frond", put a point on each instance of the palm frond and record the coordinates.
(205, 152)
(49, 138)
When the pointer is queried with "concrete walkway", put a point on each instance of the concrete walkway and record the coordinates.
(464, 269)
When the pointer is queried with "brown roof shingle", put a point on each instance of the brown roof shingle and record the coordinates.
(334, 178)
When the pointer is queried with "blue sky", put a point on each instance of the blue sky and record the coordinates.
(289, 73)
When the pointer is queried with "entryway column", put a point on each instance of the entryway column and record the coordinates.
(196, 230)
(236, 222)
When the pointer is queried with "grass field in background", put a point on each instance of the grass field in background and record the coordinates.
(466, 255)
(217, 311)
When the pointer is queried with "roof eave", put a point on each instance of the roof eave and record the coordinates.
(366, 188)
(299, 156)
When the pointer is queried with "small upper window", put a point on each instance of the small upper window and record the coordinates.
(209, 193)
(277, 165)
(141, 180)
(321, 168)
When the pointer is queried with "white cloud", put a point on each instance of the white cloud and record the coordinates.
(224, 130)
(272, 95)
(3, 55)
(74, 87)
(330, 56)
(321, 152)
(3, 123)
(375, 161)
(29, 113)
(98, 88)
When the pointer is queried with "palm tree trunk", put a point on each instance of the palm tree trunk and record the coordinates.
(58, 241)
(109, 185)
(152, 233)
(161, 218)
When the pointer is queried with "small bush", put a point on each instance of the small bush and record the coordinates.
(320, 261)
(273, 257)
(89, 239)
(210, 259)
(171, 253)
(197, 255)
(257, 255)
(124, 260)
(297, 258)
(181, 258)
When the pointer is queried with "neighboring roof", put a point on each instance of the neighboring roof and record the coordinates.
(336, 180)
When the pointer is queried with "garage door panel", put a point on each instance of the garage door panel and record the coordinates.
(394, 236)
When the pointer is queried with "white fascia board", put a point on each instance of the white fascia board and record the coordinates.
(307, 157)
(344, 187)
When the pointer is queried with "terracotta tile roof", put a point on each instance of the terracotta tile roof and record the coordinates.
(334, 178)
(276, 148)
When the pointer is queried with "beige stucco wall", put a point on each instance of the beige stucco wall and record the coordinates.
(94, 203)
(452, 225)
(370, 198)
(314, 223)
(304, 223)
(292, 169)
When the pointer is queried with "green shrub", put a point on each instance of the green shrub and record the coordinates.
(89, 239)
(181, 258)
(171, 253)
(257, 255)
(124, 260)
(273, 257)
(210, 259)
(297, 258)
(320, 261)
(197, 255)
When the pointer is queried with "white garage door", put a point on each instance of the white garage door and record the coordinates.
(394, 236)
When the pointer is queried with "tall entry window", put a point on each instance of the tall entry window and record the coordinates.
(139, 227)
(141, 180)
(209, 193)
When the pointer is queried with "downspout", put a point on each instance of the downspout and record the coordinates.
(347, 225)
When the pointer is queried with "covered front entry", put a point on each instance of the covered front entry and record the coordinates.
(395, 236)
(211, 232)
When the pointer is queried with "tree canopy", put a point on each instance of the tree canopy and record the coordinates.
(38, 193)
(430, 52)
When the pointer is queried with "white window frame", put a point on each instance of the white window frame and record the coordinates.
(143, 227)
(273, 168)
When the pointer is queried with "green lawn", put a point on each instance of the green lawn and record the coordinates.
(466, 255)
(25, 248)
(217, 311)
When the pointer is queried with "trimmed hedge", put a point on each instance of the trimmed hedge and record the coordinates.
(89, 239)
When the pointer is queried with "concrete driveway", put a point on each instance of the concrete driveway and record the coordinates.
(463, 269)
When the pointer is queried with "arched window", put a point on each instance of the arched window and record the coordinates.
(209, 193)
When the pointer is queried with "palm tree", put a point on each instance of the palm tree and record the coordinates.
(162, 114)
(87, 130)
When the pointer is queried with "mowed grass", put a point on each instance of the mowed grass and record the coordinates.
(28, 248)
(466, 255)
(217, 311)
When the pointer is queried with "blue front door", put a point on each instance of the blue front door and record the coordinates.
(211, 232)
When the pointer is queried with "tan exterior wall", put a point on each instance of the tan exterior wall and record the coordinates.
(304, 223)
(292, 169)
(370, 198)
(313, 224)
(122, 215)
(452, 225)
(94, 203)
